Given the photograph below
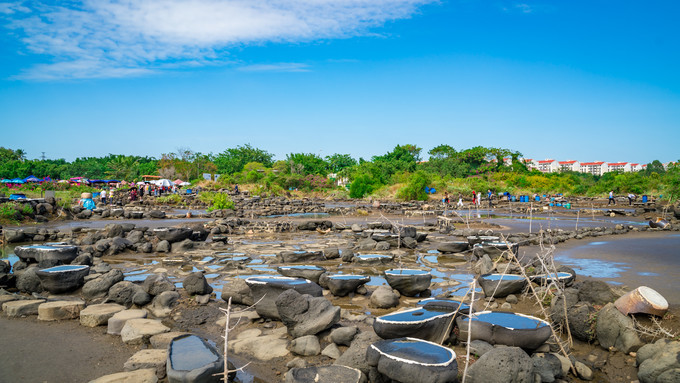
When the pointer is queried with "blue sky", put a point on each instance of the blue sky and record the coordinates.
(585, 80)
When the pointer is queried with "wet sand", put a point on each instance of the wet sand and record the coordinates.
(56, 352)
(636, 259)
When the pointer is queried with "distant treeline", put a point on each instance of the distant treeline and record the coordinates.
(457, 172)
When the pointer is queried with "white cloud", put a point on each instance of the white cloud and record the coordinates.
(111, 38)
(524, 8)
(278, 67)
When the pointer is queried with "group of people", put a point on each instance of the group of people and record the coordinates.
(476, 199)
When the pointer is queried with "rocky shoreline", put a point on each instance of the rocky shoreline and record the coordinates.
(150, 285)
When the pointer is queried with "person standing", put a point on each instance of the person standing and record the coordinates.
(102, 195)
(631, 197)
(460, 201)
(490, 195)
(474, 198)
(446, 199)
(611, 198)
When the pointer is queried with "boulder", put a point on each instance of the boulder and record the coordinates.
(307, 345)
(155, 284)
(659, 362)
(341, 285)
(547, 366)
(146, 375)
(252, 343)
(138, 331)
(617, 330)
(384, 298)
(343, 335)
(502, 365)
(28, 281)
(304, 314)
(60, 310)
(181, 247)
(453, 247)
(172, 234)
(596, 292)
(118, 320)
(99, 315)
(300, 256)
(99, 288)
(163, 246)
(310, 272)
(196, 284)
(127, 293)
(355, 355)
(582, 321)
(24, 307)
(265, 290)
(238, 291)
(163, 303)
(144, 359)
(332, 351)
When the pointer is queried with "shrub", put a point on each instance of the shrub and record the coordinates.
(217, 201)
(27, 209)
(171, 199)
(362, 185)
(415, 189)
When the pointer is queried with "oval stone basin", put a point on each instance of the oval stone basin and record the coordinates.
(453, 247)
(474, 239)
(420, 323)
(413, 360)
(560, 277)
(510, 329)
(372, 259)
(436, 304)
(409, 282)
(310, 272)
(501, 285)
(495, 249)
(61, 279)
(62, 253)
(192, 359)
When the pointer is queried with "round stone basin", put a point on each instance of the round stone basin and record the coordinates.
(63, 253)
(435, 304)
(473, 239)
(406, 272)
(512, 321)
(349, 277)
(302, 267)
(373, 258)
(417, 314)
(415, 350)
(65, 268)
(559, 277)
(190, 353)
(277, 280)
(504, 277)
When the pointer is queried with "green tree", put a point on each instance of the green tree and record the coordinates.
(338, 162)
(306, 163)
(234, 159)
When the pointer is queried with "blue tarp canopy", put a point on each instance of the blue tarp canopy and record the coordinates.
(32, 178)
(16, 181)
(103, 181)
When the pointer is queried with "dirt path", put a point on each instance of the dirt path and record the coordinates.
(55, 352)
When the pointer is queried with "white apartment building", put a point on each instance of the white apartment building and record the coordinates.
(597, 168)
(548, 166)
(619, 167)
(570, 165)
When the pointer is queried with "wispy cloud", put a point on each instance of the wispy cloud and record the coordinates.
(278, 67)
(115, 38)
(524, 8)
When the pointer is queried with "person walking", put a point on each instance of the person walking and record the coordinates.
(446, 199)
(490, 195)
(102, 195)
(474, 198)
(611, 198)
(460, 201)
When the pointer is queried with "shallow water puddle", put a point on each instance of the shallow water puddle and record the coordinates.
(595, 268)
